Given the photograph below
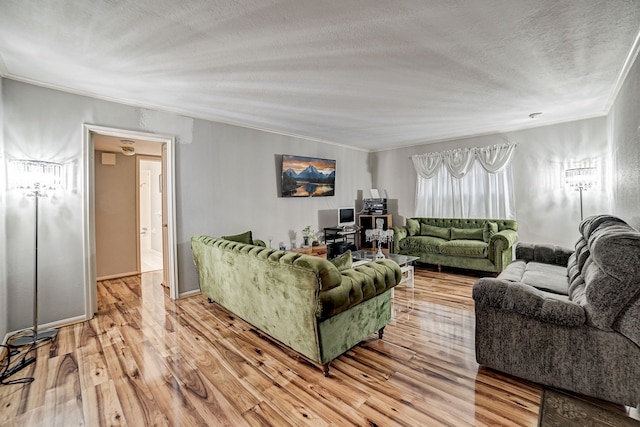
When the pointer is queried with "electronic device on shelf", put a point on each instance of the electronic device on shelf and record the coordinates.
(346, 216)
(375, 206)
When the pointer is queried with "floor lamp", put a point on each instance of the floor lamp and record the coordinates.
(36, 178)
(581, 179)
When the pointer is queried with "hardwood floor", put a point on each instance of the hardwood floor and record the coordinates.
(147, 360)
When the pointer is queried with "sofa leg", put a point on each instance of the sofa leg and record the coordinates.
(325, 369)
(380, 332)
(439, 268)
(210, 300)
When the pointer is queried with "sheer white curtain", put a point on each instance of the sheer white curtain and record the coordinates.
(466, 183)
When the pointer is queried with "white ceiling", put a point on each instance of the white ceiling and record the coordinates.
(371, 75)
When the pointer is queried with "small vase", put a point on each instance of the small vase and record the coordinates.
(305, 240)
(379, 254)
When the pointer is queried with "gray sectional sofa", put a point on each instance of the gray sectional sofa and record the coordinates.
(568, 318)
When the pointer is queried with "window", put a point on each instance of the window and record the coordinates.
(466, 183)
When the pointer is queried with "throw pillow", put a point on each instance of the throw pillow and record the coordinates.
(242, 238)
(467, 233)
(413, 226)
(431, 230)
(342, 262)
(490, 228)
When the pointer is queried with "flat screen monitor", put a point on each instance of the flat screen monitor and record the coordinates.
(346, 216)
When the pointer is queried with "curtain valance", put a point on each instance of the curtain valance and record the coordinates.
(459, 162)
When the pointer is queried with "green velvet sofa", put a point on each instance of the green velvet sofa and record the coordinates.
(474, 244)
(319, 309)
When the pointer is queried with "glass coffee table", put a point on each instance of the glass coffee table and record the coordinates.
(404, 261)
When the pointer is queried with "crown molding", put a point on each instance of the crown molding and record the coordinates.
(624, 72)
(490, 132)
(631, 57)
(5, 74)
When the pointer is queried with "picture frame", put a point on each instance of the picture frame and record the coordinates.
(307, 176)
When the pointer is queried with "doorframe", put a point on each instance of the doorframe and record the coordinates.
(89, 217)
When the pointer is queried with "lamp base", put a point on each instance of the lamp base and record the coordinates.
(33, 338)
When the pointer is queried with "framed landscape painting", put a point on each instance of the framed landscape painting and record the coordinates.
(307, 176)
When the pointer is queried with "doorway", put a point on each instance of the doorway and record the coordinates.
(165, 145)
(149, 184)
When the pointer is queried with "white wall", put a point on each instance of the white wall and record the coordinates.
(226, 183)
(3, 237)
(546, 210)
(624, 127)
(229, 184)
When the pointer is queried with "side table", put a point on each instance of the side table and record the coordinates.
(319, 250)
(407, 275)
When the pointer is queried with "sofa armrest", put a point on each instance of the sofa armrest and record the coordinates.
(499, 243)
(503, 240)
(547, 254)
(399, 233)
(358, 285)
(517, 297)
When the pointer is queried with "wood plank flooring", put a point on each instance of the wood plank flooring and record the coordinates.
(147, 360)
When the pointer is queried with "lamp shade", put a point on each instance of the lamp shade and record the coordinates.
(35, 175)
(581, 178)
(379, 235)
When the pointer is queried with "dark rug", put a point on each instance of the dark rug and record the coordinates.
(559, 409)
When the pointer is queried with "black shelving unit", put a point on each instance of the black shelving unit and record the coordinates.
(339, 240)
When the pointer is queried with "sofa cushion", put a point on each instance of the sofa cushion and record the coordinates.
(627, 323)
(514, 271)
(466, 248)
(582, 253)
(467, 233)
(242, 238)
(528, 301)
(591, 224)
(413, 227)
(434, 231)
(612, 277)
(422, 243)
(490, 228)
(342, 262)
(546, 277)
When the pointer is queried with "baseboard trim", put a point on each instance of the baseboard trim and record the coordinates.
(117, 276)
(189, 293)
(52, 325)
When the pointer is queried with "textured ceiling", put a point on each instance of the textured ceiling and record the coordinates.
(372, 75)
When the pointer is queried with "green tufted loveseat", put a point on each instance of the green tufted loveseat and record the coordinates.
(474, 244)
(301, 301)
